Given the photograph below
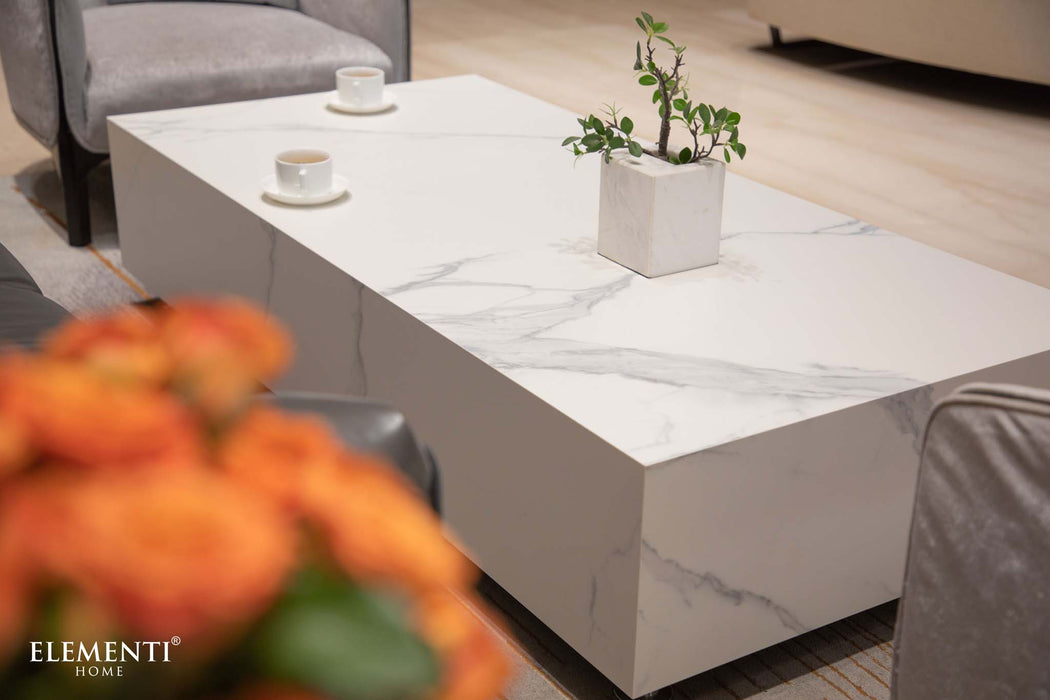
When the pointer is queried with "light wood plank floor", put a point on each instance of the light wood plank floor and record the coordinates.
(960, 162)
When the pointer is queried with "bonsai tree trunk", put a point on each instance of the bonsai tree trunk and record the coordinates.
(665, 123)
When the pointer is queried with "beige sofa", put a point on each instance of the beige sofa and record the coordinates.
(1004, 38)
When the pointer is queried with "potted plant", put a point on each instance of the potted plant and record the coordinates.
(661, 208)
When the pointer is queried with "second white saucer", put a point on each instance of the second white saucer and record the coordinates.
(339, 187)
(337, 105)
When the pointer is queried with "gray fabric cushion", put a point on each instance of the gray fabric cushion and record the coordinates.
(29, 67)
(149, 56)
(383, 22)
(25, 313)
(974, 618)
(289, 4)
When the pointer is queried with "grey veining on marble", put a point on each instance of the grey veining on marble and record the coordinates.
(712, 461)
(691, 583)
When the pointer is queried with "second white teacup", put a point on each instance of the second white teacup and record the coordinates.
(360, 86)
(304, 172)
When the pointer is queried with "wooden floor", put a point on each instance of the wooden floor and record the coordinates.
(961, 162)
(958, 161)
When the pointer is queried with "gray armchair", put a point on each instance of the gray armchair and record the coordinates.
(69, 64)
(974, 616)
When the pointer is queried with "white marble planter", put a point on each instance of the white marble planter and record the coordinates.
(656, 218)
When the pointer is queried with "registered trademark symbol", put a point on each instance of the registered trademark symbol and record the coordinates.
(176, 640)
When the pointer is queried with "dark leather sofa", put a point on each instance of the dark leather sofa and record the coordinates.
(26, 315)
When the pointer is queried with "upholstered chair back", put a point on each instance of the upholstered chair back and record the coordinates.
(29, 67)
(973, 619)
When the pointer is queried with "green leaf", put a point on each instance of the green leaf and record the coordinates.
(741, 150)
(685, 155)
(733, 118)
(638, 53)
(679, 104)
(660, 27)
(617, 142)
(331, 635)
(583, 123)
(725, 152)
(705, 113)
(626, 125)
(598, 126)
(647, 80)
(672, 158)
(591, 140)
(720, 115)
(648, 18)
(656, 96)
(660, 110)
(569, 140)
(635, 148)
(641, 24)
(576, 150)
(666, 41)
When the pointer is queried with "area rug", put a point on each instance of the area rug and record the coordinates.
(32, 227)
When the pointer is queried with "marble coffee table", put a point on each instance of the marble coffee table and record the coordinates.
(670, 473)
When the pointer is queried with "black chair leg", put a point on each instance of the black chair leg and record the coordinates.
(75, 163)
(774, 35)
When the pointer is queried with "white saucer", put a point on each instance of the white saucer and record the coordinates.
(387, 103)
(339, 187)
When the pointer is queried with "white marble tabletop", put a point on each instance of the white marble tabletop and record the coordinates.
(466, 214)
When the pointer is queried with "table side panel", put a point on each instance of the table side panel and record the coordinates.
(759, 540)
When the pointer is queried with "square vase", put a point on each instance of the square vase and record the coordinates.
(657, 218)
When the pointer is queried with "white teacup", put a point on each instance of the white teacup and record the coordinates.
(360, 86)
(304, 172)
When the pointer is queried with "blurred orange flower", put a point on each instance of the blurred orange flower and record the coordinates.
(201, 333)
(125, 344)
(379, 529)
(475, 668)
(181, 552)
(203, 545)
(221, 350)
(15, 450)
(74, 414)
(274, 452)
